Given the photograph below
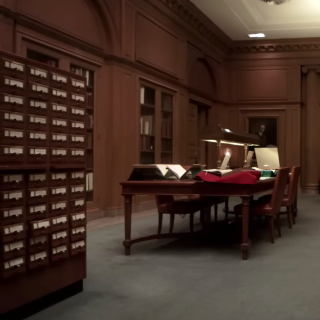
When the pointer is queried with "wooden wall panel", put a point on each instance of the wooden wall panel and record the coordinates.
(270, 84)
(192, 133)
(156, 46)
(129, 35)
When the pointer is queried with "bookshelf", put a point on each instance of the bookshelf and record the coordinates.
(89, 92)
(156, 124)
(43, 58)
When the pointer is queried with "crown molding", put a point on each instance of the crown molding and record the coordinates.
(196, 19)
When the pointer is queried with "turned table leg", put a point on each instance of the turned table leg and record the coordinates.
(127, 223)
(245, 228)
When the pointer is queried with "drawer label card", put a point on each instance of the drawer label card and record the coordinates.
(13, 246)
(59, 191)
(41, 225)
(36, 177)
(13, 150)
(80, 216)
(38, 72)
(58, 176)
(13, 83)
(13, 212)
(38, 151)
(60, 205)
(13, 263)
(13, 195)
(59, 235)
(77, 175)
(78, 138)
(38, 193)
(79, 203)
(13, 99)
(13, 116)
(77, 125)
(78, 84)
(60, 123)
(40, 136)
(59, 152)
(15, 178)
(77, 189)
(38, 88)
(59, 249)
(14, 65)
(78, 230)
(13, 134)
(77, 152)
(57, 107)
(42, 239)
(38, 104)
(41, 208)
(38, 256)
(38, 120)
(14, 229)
(59, 220)
(59, 93)
(59, 78)
(78, 244)
(77, 111)
(59, 137)
(77, 97)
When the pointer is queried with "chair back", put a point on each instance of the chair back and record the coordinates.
(279, 189)
(163, 200)
(293, 184)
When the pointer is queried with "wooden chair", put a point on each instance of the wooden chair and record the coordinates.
(271, 208)
(168, 205)
(290, 199)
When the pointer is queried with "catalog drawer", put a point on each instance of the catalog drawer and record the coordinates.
(58, 155)
(37, 155)
(12, 120)
(77, 127)
(78, 233)
(12, 233)
(78, 100)
(38, 91)
(59, 253)
(14, 154)
(58, 194)
(37, 212)
(58, 125)
(40, 228)
(37, 196)
(77, 141)
(13, 198)
(11, 181)
(38, 260)
(37, 139)
(38, 244)
(59, 238)
(12, 86)
(77, 114)
(78, 247)
(10, 216)
(58, 179)
(12, 68)
(37, 123)
(59, 140)
(58, 208)
(77, 205)
(77, 177)
(78, 219)
(37, 180)
(10, 102)
(78, 86)
(38, 75)
(59, 96)
(59, 223)
(12, 137)
(59, 110)
(13, 267)
(12, 250)
(77, 156)
(37, 107)
(59, 81)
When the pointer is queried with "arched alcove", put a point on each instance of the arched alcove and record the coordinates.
(201, 77)
(82, 19)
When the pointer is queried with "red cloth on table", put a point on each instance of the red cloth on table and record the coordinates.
(244, 177)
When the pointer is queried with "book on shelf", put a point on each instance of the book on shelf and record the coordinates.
(147, 144)
(142, 93)
(146, 125)
(89, 184)
(166, 128)
(143, 172)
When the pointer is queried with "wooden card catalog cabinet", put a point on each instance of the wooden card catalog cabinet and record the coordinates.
(59, 253)
(11, 216)
(38, 91)
(12, 68)
(77, 127)
(59, 238)
(78, 86)
(77, 156)
(77, 192)
(59, 96)
(59, 140)
(11, 181)
(78, 219)
(78, 177)
(37, 196)
(38, 75)
(38, 155)
(59, 81)
(11, 120)
(13, 267)
(77, 205)
(78, 233)
(11, 154)
(35, 212)
(58, 208)
(12, 137)
(11, 198)
(77, 141)
(11, 102)
(40, 228)
(38, 139)
(38, 244)
(38, 107)
(58, 194)
(38, 123)
(59, 125)
(78, 247)
(59, 155)
(59, 111)
(12, 233)
(37, 180)
(12, 250)
(77, 114)
(58, 179)
(59, 223)
(38, 260)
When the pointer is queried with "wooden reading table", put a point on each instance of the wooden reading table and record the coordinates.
(191, 187)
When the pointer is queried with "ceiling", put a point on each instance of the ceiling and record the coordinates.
(238, 18)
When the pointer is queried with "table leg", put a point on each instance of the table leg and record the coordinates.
(208, 217)
(245, 228)
(127, 223)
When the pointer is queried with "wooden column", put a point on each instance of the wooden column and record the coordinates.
(310, 145)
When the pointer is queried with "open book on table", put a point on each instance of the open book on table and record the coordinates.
(222, 173)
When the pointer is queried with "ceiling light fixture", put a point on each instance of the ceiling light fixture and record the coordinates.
(257, 35)
(272, 2)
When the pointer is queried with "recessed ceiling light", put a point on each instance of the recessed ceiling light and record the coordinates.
(256, 35)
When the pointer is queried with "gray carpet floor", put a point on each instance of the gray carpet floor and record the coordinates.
(200, 278)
